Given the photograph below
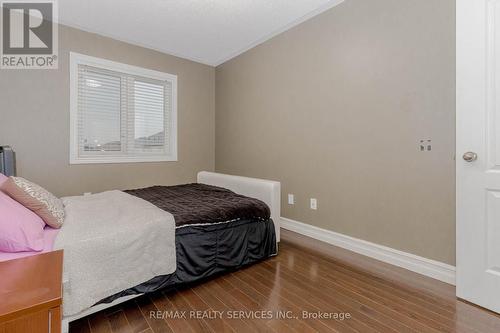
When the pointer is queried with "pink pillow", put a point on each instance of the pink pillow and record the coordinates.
(35, 198)
(20, 229)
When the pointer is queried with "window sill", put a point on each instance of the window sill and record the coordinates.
(121, 159)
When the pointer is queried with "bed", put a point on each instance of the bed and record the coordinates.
(239, 237)
(119, 245)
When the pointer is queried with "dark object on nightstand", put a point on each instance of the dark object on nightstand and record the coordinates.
(31, 294)
(7, 161)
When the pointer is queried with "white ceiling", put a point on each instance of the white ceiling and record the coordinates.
(207, 31)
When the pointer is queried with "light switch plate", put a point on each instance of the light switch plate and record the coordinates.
(291, 199)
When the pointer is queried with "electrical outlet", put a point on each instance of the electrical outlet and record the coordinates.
(314, 204)
(291, 199)
(425, 145)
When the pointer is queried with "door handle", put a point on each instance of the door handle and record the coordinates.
(470, 156)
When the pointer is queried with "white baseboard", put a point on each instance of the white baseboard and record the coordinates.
(428, 267)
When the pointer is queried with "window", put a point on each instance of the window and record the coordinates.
(121, 113)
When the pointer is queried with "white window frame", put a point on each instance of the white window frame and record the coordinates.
(77, 59)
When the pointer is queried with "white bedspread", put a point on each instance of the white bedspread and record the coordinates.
(112, 241)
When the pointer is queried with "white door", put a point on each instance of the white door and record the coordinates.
(478, 132)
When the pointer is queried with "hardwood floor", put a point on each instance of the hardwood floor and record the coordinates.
(366, 296)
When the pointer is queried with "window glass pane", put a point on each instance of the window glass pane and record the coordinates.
(149, 116)
(100, 112)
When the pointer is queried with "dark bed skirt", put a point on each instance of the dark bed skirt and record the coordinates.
(205, 251)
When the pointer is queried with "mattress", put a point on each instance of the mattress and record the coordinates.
(49, 237)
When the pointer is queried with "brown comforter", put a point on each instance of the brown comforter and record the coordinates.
(202, 204)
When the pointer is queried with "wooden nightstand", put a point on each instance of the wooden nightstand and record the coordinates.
(31, 294)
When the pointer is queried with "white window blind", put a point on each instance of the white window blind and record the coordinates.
(121, 113)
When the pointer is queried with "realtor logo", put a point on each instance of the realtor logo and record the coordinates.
(29, 35)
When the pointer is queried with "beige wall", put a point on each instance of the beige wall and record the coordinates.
(334, 109)
(34, 119)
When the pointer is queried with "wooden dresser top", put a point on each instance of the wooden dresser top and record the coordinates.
(30, 284)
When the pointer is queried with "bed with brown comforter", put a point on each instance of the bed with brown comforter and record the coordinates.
(217, 231)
